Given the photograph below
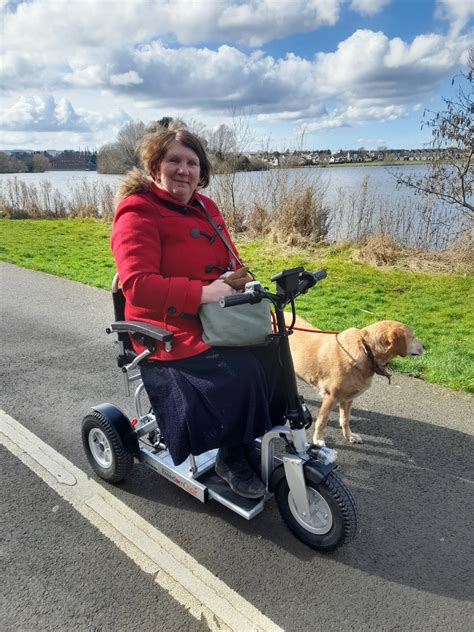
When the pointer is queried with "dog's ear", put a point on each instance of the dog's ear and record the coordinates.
(397, 341)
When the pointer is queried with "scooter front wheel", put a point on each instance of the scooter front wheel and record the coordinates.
(332, 518)
(104, 448)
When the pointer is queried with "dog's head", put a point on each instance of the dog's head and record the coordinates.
(389, 338)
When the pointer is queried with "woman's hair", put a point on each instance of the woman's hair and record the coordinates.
(153, 146)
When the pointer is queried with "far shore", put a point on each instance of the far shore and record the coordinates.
(375, 163)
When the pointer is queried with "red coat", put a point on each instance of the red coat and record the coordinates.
(163, 263)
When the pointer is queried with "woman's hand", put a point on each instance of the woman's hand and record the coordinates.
(211, 293)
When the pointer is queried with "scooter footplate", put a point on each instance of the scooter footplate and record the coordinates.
(219, 491)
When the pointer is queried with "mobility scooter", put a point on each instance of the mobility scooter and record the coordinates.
(313, 501)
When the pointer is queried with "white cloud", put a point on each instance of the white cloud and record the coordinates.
(365, 65)
(218, 79)
(130, 78)
(99, 24)
(41, 114)
(369, 64)
(314, 111)
(41, 140)
(368, 77)
(256, 22)
(368, 7)
(89, 33)
(9, 5)
(147, 55)
(103, 48)
(85, 75)
(351, 116)
(457, 12)
(46, 114)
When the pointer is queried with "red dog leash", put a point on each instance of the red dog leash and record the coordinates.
(311, 331)
(316, 331)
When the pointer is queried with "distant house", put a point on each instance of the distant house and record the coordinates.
(338, 157)
(356, 156)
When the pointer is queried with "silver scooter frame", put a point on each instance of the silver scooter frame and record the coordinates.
(196, 476)
(193, 475)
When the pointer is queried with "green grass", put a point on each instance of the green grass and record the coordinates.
(353, 295)
(71, 248)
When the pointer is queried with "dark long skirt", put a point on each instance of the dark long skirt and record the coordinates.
(225, 396)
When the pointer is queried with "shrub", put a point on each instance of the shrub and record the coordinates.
(302, 217)
(258, 221)
(20, 200)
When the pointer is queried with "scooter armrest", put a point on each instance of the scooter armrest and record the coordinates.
(144, 329)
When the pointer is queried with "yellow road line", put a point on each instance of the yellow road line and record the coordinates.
(204, 596)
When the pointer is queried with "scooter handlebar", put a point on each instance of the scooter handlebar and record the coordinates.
(239, 299)
(319, 275)
(309, 279)
(255, 294)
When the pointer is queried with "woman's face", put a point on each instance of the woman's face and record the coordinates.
(179, 172)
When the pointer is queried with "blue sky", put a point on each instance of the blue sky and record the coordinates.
(333, 74)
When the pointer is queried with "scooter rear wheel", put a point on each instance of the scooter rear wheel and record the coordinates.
(333, 514)
(104, 448)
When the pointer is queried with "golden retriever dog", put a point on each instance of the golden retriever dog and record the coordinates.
(342, 365)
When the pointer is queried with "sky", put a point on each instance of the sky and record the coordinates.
(297, 74)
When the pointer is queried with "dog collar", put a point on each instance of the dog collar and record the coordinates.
(380, 370)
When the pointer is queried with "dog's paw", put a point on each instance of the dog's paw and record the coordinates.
(355, 438)
(321, 443)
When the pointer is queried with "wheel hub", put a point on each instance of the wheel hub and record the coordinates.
(319, 520)
(100, 448)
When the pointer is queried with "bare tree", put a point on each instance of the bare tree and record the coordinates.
(222, 141)
(39, 163)
(127, 140)
(166, 122)
(227, 145)
(197, 128)
(121, 156)
(10, 164)
(451, 172)
(109, 159)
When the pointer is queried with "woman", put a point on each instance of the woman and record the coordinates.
(170, 261)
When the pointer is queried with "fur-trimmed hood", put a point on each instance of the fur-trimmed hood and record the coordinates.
(135, 181)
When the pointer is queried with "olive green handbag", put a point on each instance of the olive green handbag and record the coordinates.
(239, 326)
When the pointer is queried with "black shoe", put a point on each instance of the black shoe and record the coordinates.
(240, 478)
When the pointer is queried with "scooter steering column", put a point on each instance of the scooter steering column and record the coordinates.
(295, 413)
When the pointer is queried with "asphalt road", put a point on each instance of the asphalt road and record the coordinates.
(410, 568)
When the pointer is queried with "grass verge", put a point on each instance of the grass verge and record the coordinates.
(353, 295)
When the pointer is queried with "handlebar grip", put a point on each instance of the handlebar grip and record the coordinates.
(309, 279)
(237, 299)
(319, 275)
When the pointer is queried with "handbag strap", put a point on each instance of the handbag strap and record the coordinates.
(219, 232)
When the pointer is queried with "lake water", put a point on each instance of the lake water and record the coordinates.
(361, 199)
(348, 178)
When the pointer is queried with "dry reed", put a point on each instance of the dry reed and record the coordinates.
(20, 200)
(382, 251)
(290, 209)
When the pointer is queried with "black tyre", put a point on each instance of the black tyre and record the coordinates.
(333, 513)
(104, 448)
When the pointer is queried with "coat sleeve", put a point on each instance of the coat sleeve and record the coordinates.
(136, 246)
